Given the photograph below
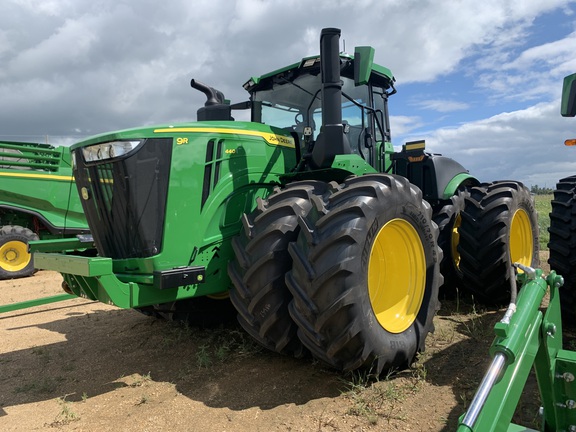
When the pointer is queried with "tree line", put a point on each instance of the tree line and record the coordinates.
(537, 190)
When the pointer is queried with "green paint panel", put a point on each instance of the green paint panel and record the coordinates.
(36, 179)
(518, 428)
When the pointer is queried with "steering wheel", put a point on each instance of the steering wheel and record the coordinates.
(299, 119)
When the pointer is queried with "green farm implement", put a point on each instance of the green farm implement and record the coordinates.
(525, 338)
(38, 200)
(323, 238)
(528, 337)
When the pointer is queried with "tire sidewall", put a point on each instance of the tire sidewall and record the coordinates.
(525, 202)
(408, 341)
(396, 198)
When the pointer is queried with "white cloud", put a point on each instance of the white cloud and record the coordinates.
(68, 47)
(46, 7)
(526, 145)
(250, 13)
(533, 73)
(442, 106)
(441, 34)
(71, 66)
(402, 125)
(551, 53)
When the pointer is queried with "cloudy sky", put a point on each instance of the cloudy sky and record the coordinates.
(479, 80)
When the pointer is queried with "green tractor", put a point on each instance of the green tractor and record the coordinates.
(325, 239)
(562, 229)
(38, 200)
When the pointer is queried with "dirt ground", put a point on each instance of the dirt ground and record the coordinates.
(85, 366)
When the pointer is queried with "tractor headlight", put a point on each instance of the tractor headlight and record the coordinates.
(108, 150)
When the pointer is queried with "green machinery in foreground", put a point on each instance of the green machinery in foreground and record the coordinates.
(324, 238)
(527, 337)
(562, 229)
(38, 200)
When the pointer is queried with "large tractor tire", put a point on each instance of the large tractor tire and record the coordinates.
(262, 260)
(15, 260)
(366, 274)
(562, 245)
(499, 227)
(448, 218)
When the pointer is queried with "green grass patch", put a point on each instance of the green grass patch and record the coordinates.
(543, 208)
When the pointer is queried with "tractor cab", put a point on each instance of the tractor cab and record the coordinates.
(336, 110)
(292, 98)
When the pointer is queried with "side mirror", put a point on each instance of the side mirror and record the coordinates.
(363, 60)
(569, 96)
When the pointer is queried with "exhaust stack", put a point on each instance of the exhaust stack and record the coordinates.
(215, 108)
(331, 141)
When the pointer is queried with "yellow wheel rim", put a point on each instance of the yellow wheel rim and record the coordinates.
(521, 240)
(455, 241)
(14, 256)
(396, 275)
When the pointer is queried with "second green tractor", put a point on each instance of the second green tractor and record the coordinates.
(562, 229)
(325, 239)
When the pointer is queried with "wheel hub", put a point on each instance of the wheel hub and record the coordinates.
(521, 241)
(14, 256)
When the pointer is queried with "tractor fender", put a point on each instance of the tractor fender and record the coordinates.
(449, 175)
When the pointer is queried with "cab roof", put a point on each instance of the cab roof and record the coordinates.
(379, 75)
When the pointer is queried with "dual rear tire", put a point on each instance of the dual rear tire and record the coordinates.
(353, 277)
(562, 246)
(350, 272)
(260, 294)
(448, 217)
(499, 227)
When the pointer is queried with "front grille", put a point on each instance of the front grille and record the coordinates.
(126, 202)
